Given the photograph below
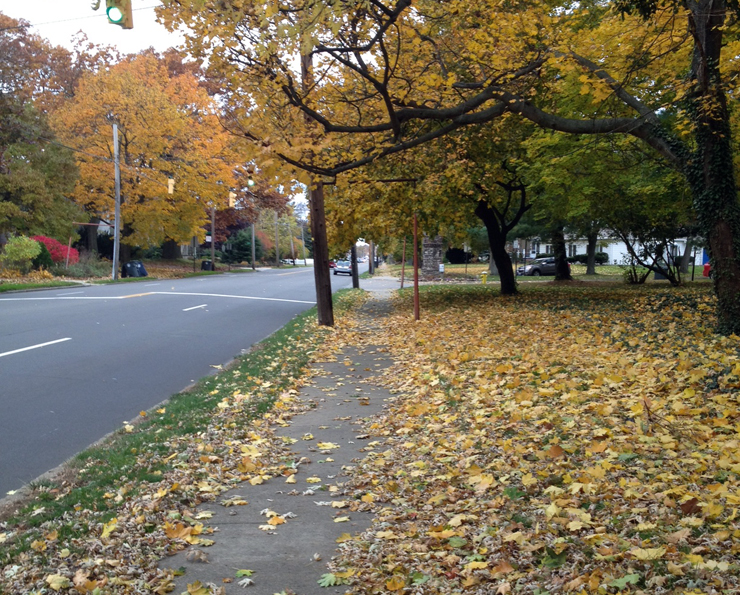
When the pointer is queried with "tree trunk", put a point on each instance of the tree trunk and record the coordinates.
(686, 256)
(91, 235)
(355, 275)
(321, 273)
(592, 237)
(562, 270)
(497, 244)
(711, 172)
(171, 250)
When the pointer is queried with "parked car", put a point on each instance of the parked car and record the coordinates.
(332, 264)
(539, 266)
(343, 266)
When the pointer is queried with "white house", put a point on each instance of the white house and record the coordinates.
(615, 248)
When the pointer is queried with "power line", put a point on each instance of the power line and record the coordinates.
(79, 18)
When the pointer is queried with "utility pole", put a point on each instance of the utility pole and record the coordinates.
(254, 249)
(117, 224)
(292, 246)
(371, 260)
(303, 242)
(277, 241)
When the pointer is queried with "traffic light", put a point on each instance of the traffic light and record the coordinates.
(119, 13)
(232, 199)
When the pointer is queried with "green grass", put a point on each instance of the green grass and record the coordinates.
(138, 458)
(42, 285)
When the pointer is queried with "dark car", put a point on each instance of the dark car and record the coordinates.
(539, 266)
(343, 266)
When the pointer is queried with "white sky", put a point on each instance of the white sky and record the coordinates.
(59, 20)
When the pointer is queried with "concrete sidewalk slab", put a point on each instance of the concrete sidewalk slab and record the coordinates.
(293, 558)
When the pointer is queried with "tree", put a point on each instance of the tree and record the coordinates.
(240, 249)
(169, 128)
(35, 174)
(396, 75)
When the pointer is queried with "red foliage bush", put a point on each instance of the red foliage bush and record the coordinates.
(58, 250)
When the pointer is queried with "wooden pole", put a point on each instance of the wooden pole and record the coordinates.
(277, 242)
(213, 237)
(416, 270)
(117, 224)
(403, 261)
(254, 247)
(69, 247)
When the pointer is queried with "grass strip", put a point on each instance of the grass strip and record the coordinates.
(25, 286)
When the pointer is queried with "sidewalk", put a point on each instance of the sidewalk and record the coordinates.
(291, 557)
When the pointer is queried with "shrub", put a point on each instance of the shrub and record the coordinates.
(89, 265)
(602, 258)
(58, 251)
(43, 258)
(19, 253)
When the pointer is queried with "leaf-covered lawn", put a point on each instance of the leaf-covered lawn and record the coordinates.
(567, 440)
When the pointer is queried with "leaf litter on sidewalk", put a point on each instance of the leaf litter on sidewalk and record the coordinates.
(579, 440)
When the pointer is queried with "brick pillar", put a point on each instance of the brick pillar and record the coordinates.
(431, 250)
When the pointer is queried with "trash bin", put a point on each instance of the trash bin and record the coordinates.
(133, 268)
(206, 265)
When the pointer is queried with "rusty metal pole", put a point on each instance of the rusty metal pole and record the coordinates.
(403, 261)
(416, 270)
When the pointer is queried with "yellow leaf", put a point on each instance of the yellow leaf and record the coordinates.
(290, 479)
(655, 553)
(339, 504)
(256, 480)
(344, 537)
(675, 569)
(368, 498)
(57, 582)
(528, 480)
(694, 558)
(476, 565)
(396, 583)
(552, 510)
(313, 480)
(517, 537)
(326, 445)
(276, 520)
(109, 527)
(341, 519)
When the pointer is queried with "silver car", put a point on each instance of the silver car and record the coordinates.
(344, 267)
(539, 266)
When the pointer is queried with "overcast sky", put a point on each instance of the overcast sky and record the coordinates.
(59, 20)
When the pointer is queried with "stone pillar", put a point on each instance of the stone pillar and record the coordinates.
(431, 250)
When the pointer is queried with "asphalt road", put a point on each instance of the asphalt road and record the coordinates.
(77, 362)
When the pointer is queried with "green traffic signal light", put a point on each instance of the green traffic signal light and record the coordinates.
(115, 14)
(119, 13)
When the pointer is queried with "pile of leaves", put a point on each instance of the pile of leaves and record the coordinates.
(131, 502)
(568, 440)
